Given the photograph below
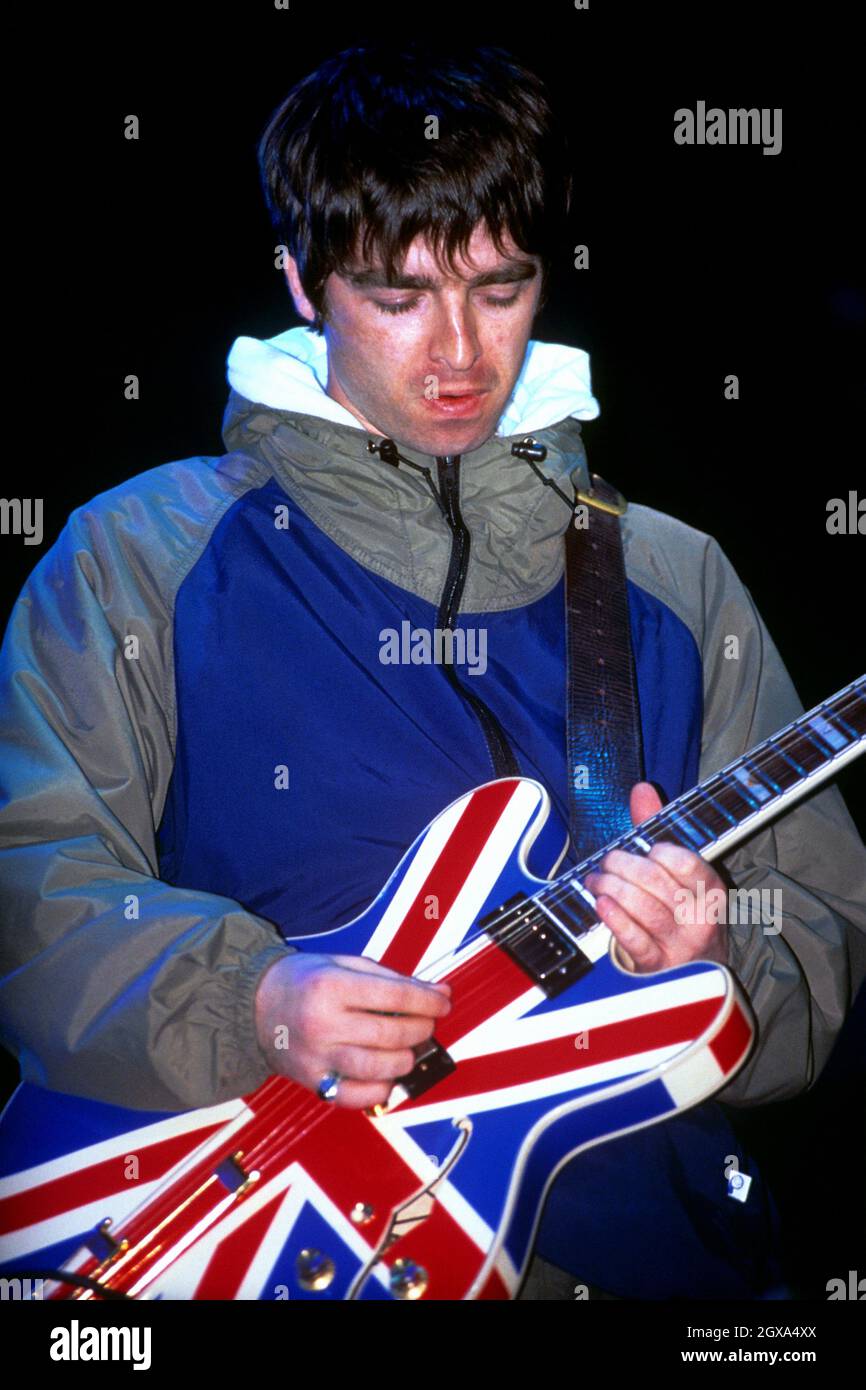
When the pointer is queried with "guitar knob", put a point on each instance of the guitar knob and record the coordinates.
(408, 1279)
(315, 1270)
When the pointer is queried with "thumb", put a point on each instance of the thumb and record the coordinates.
(643, 802)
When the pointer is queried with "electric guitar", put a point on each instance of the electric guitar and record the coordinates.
(551, 1046)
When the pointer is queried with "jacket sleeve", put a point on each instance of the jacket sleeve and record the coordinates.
(800, 979)
(116, 985)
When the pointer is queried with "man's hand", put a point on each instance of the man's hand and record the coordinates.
(634, 896)
(318, 1013)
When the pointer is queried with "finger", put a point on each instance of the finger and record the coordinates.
(363, 1029)
(361, 1095)
(682, 864)
(644, 951)
(646, 873)
(309, 1069)
(362, 990)
(364, 964)
(370, 1063)
(648, 912)
(643, 802)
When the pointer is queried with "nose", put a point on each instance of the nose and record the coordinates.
(454, 342)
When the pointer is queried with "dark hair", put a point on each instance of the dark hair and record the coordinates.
(348, 172)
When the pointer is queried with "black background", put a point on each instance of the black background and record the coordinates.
(150, 257)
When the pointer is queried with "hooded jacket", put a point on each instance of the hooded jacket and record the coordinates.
(203, 746)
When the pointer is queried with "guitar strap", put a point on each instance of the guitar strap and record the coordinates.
(603, 731)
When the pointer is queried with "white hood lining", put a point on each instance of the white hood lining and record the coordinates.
(290, 372)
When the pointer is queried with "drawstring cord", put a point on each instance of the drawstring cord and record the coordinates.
(387, 452)
(534, 453)
(529, 450)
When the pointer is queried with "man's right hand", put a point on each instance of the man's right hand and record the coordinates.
(317, 1013)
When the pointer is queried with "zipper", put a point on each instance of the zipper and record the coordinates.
(500, 752)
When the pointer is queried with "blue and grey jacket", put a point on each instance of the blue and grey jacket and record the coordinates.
(204, 740)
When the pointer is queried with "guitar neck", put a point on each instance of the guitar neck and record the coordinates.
(733, 803)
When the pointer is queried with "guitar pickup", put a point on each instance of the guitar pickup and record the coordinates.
(546, 952)
(433, 1062)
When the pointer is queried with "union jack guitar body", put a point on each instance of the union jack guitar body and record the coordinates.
(551, 1046)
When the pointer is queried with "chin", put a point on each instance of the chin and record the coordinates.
(456, 440)
(444, 437)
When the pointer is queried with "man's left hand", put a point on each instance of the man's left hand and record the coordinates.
(634, 896)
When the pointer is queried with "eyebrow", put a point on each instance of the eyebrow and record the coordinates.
(503, 275)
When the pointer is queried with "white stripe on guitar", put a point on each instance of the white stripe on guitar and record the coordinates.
(130, 1141)
(119, 1205)
(429, 851)
(507, 1030)
(532, 1090)
(488, 866)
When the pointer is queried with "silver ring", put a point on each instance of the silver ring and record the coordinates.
(327, 1087)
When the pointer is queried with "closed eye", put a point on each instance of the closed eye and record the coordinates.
(404, 305)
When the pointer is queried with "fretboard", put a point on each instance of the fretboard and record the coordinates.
(733, 803)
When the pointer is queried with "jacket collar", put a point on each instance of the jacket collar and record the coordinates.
(384, 517)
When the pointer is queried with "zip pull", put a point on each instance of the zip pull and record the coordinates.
(449, 487)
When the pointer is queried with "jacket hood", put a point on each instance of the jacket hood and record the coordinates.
(385, 517)
(290, 372)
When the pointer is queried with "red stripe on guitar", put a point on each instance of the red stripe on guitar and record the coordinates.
(477, 822)
(352, 1163)
(539, 1061)
(98, 1180)
(481, 987)
(347, 1158)
(232, 1258)
(732, 1040)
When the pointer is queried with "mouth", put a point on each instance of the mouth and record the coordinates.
(455, 403)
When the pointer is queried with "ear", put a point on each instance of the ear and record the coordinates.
(302, 304)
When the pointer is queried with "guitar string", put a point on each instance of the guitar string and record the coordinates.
(309, 1107)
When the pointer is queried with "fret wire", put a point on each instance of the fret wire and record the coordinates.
(828, 738)
(837, 718)
(823, 748)
(795, 765)
(729, 789)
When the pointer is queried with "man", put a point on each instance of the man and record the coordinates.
(205, 740)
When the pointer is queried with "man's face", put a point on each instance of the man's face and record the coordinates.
(393, 347)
